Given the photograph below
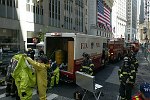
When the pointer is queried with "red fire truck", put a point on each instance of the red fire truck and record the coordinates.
(116, 49)
(134, 46)
(67, 50)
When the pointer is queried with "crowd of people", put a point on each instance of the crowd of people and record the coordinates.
(127, 76)
(26, 73)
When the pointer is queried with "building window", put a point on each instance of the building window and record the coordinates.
(27, 7)
(28, 1)
(41, 10)
(16, 3)
(31, 8)
(50, 10)
(9, 3)
(58, 7)
(54, 13)
(53, 6)
(9, 39)
(3, 2)
(37, 10)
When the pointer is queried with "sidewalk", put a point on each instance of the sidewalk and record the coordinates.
(143, 74)
(112, 82)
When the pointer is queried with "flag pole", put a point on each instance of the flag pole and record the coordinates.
(96, 16)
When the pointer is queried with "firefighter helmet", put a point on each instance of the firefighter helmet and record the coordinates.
(126, 59)
(85, 55)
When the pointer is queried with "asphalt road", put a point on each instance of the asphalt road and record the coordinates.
(107, 77)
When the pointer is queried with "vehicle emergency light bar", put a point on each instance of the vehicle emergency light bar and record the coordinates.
(56, 34)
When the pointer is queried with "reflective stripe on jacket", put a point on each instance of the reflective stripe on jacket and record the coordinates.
(137, 97)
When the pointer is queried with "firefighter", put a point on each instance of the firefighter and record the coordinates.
(144, 92)
(24, 76)
(41, 52)
(126, 73)
(54, 73)
(134, 61)
(31, 53)
(40, 67)
(87, 66)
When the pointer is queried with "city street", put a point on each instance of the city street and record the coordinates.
(67, 36)
(107, 77)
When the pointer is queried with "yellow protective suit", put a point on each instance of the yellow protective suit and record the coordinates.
(25, 77)
(55, 77)
(41, 71)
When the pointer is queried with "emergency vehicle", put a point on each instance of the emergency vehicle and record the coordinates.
(116, 49)
(134, 45)
(67, 49)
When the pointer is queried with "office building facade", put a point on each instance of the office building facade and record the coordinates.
(99, 21)
(119, 18)
(131, 20)
(22, 20)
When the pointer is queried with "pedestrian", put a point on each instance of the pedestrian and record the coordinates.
(126, 74)
(40, 66)
(31, 53)
(41, 52)
(24, 76)
(11, 89)
(144, 92)
(87, 66)
(54, 73)
(134, 61)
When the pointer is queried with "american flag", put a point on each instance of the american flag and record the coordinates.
(103, 14)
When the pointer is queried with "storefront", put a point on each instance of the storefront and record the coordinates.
(9, 40)
(9, 44)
